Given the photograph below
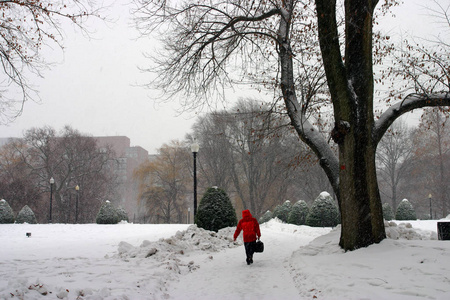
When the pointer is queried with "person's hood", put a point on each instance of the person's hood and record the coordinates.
(246, 213)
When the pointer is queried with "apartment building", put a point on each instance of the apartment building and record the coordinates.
(129, 159)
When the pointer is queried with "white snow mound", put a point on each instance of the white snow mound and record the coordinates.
(190, 240)
(407, 232)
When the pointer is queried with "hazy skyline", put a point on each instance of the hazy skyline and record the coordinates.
(93, 86)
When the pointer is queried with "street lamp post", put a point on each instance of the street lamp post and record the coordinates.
(77, 188)
(431, 213)
(52, 181)
(194, 148)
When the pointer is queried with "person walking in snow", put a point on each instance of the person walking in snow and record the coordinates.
(250, 226)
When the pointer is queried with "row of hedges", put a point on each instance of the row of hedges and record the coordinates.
(323, 212)
(216, 212)
(107, 214)
(25, 215)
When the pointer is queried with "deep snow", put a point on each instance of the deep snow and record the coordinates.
(133, 261)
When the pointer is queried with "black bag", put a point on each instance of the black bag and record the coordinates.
(259, 246)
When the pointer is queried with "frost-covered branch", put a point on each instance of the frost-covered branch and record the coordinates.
(410, 103)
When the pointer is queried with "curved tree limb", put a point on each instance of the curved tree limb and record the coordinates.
(410, 103)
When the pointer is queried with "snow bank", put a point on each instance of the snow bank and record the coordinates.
(407, 265)
(190, 240)
(178, 255)
(406, 231)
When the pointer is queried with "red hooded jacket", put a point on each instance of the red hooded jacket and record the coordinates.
(249, 225)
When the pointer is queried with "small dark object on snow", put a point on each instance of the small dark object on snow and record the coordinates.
(259, 246)
(28, 234)
(443, 230)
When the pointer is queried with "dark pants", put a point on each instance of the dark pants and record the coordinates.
(249, 250)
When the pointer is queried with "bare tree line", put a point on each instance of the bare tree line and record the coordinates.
(413, 163)
(70, 159)
(255, 162)
(245, 151)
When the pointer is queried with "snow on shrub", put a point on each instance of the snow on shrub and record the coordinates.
(26, 215)
(265, 217)
(282, 211)
(388, 214)
(6, 213)
(122, 214)
(107, 214)
(298, 214)
(405, 211)
(215, 210)
(323, 212)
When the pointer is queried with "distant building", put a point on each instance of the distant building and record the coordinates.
(129, 158)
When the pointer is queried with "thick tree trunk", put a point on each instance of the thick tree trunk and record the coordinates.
(360, 203)
(351, 89)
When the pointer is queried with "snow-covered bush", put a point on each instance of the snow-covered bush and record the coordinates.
(26, 215)
(215, 210)
(388, 214)
(298, 214)
(122, 214)
(6, 213)
(323, 212)
(282, 211)
(265, 217)
(405, 211)
(107, 214)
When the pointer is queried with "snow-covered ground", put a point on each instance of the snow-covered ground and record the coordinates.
(132, 261)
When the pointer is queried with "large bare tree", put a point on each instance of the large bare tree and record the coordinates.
(207, 41)
(244, 150)
(71, 159)
(162, 184)
(17, 185)
(394, 159)
(432, 152)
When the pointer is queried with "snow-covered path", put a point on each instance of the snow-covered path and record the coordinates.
(225, 275)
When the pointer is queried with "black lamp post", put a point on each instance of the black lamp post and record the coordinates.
(52, 181)
(194, 148)
(77, 188)
(431, 213)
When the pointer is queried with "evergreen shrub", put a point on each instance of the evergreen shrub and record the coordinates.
(6, 213)
(107, 214)
(323, 212)
(26, 215)
(215, 210)
(405, 211)
(266, 217)
(122, 214)
(298, 213)
(282, 211)
(388, 214)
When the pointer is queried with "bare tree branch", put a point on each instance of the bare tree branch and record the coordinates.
(25, 27)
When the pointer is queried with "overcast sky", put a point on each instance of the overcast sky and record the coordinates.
(93, 85)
